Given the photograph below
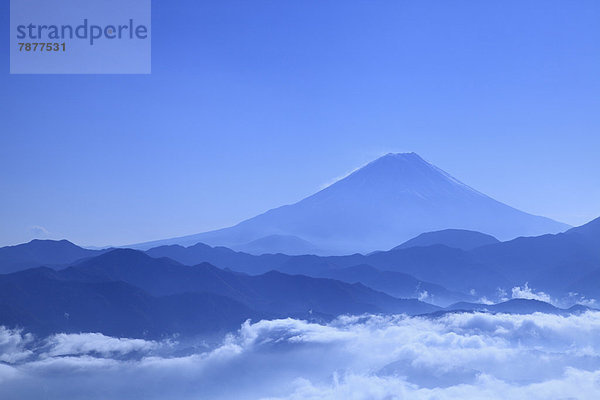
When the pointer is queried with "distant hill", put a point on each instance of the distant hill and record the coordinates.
(272, 291)
(128, 293)
(41, 252)
(273, 244)
(386, 202)
(42, 301)
(589, 232)
(587, 285)
(517, 306)
(353, 268)
(548, 261)
(564, 265)
(396, 284)
(452, 268)
(455, 238)
(223, 257)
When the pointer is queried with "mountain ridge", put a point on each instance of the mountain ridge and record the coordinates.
(456, 238)
(42, 252)
(127, 292)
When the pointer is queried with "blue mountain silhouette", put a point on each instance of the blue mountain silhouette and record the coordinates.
(384, 203)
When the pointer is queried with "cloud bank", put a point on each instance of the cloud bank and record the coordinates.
(462, 355)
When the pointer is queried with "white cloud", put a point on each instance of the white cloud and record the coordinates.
(423, 296)
(526, 292)
(485, 300)
(38, 232)
(573, 384)
(12, 345)
(86, 343)
(501, 294)
(576, 298)
(464, 355)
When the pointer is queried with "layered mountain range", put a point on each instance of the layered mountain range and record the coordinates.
(201, 289)
(550, 263)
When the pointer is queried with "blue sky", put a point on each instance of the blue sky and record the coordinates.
(252, 105)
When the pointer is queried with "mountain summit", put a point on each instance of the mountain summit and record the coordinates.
(382, 204)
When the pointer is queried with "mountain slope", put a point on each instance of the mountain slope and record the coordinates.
(550, 262)
(455, 238)
(273, 292)
(41, 252)
(127, 293)
(388, 201)
(454, 269)
(396, 284)
(272, 244)
(514, 306)
(518, 306)
(42, 301)
(222, 257)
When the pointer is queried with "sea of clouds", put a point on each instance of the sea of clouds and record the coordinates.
(452, 356)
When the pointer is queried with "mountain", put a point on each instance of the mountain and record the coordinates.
(128, 293)
(588, 286)
(396, 284)
(587, 268)
(455, 238)
(41, 252)
(549, 262)
(454, 269)
(451, 268)
(285, 244)
(222, 257)
(382, 271)
(43, 302)
(273, 291)
(386, 202)
(517, 306)
(559, 265)
(590, 232)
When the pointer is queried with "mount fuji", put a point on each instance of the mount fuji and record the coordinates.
(386, 202)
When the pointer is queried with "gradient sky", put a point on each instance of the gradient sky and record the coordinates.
(255, 104)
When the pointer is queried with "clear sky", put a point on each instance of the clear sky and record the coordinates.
(255, 104)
